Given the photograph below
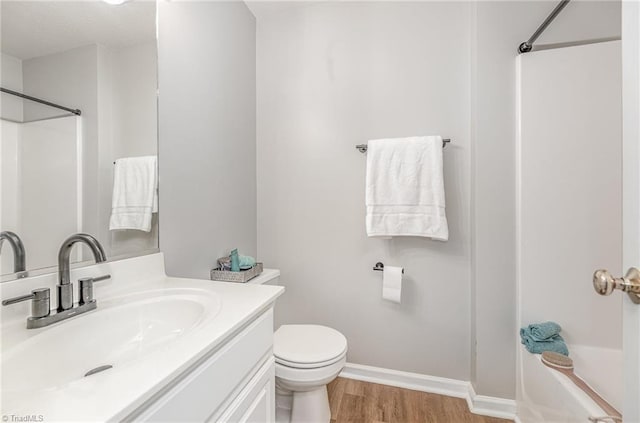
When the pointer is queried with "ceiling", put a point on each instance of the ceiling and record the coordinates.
(38, 28)
(262, 8)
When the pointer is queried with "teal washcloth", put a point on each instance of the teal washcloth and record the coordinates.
(246, 262)
(554, 343)
(544, 331)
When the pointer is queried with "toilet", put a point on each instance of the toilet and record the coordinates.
(308, 357)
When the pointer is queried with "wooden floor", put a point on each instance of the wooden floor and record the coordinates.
(363, 402)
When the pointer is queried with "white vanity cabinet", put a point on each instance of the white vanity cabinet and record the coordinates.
(180, 350)
(234, 383)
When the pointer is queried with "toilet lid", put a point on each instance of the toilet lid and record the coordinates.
(307, 345)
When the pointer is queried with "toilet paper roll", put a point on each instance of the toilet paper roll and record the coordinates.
(392, 283)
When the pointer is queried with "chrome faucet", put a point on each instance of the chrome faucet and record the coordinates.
(19, 254)
(40, 305)
(65, 289)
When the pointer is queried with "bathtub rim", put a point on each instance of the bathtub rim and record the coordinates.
(525, 405)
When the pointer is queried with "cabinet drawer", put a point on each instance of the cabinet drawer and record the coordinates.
(256, 402)
(206, 386)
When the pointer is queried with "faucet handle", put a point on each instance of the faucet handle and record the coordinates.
(40, 306)
(86, 288)
(101, 278)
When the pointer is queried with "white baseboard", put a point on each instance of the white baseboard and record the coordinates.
(491, 406)
(415, 381)
(478, 404)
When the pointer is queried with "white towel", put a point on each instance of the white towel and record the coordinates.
(405, 188)
(135, 193)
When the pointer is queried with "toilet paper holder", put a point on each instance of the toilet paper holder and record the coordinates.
(380, 267)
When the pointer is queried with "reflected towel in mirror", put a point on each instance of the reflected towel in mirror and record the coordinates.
(135, 193)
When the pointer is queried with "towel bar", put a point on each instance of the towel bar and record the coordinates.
(363, 147)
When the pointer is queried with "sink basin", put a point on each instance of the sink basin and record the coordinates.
(120, 332)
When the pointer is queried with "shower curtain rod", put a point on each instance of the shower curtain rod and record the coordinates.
(527, 46)
(77, 112)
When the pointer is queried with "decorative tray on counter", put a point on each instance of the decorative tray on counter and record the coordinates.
(241, 276)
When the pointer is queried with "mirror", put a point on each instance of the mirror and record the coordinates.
(91, 70)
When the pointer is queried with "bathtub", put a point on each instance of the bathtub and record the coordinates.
(545, 395)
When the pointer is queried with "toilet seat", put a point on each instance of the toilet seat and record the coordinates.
(294, 365)
(308, 346)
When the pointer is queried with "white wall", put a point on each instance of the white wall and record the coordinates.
(70, 79)
(570, 185)
(127, 95)
(11, 78)
(10, 185)
(10, 108)
(48, 187)
(333, 75)
(135, 100)
(207, 65)
(499, 28)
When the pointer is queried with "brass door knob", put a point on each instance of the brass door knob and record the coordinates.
(605, 284)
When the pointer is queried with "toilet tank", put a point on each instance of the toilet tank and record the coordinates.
(267, 277)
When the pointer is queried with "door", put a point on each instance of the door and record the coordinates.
(631, 200)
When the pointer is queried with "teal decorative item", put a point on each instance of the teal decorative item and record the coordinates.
(544, 331)
(246, 262)
(554, 343)
(235, 261)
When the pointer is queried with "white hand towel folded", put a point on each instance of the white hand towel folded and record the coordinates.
(135, 193)
(405, 188)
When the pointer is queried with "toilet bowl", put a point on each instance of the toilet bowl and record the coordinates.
(308, 357)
